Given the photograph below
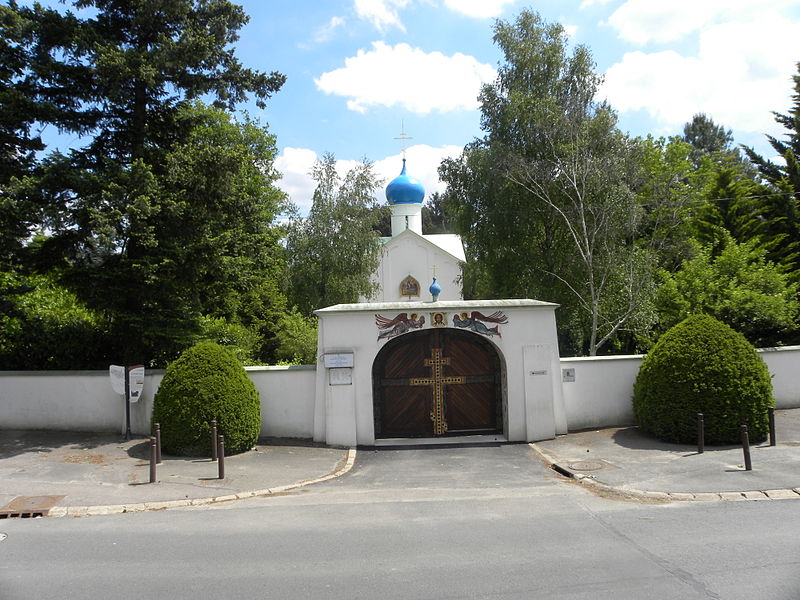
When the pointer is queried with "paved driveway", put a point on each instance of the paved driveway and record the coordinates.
(495, 466)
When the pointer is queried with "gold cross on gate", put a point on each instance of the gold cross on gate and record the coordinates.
(438, 381)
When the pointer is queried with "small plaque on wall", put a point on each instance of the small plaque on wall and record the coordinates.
(340, 376)
(344, 359)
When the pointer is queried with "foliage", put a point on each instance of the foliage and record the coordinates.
(166, 212)
(297, 339)
(730, 205)
(206, 382)
(703, 366)
(334, 251)
(157, 251)
(434, 216)
(781, 207)
(237, 338)
(44, 326)
(554, 174)
(737, 285)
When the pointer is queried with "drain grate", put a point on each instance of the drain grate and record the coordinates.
(29, 507)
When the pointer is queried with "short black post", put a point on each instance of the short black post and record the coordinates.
(748, 466)
(773, 439)
(152, 459)
(158, 443)
(221, 457)
(701, 434)
(128, 435)
(214, 440)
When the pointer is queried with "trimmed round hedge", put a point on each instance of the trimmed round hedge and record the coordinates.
(703, 366)
(206, 382)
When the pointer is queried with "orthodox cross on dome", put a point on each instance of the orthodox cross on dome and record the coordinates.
(403, 137)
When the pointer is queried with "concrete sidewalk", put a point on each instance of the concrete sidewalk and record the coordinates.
(78, 473)
(626, 461)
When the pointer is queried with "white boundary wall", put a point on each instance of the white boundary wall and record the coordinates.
(84, 401)
(602, 391)
(600, 396)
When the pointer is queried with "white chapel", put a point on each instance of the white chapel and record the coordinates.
(419, 362)
(409, 258)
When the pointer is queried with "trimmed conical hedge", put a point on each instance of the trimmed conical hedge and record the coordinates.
(703, 366)
(206, 382)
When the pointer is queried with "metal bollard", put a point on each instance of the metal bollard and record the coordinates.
(152, 460)
(158, 443)
(701, 434)
(748, 466)
(214, 440)
(221, 457)
(773, 439)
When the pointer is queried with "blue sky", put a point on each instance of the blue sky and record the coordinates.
(359, 70)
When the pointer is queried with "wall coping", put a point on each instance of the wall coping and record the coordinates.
(435, 306)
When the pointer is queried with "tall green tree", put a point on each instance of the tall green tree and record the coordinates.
(546, 200)
(334, 251)
(781, 206)
(198, 239)
(706, 137)
(166, 213)
(730, 203)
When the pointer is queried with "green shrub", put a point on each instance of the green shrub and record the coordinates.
(703, 366)
(206, 382)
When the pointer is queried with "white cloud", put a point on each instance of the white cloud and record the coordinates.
(571, 30)
(589, 3)
(742, 72)
(645, 21)
(423, 161)
(324, 33)
(295, 166)
(479, 9)
(383, 14)
(409, 77)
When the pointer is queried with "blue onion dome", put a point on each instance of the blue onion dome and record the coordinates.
(404, 189)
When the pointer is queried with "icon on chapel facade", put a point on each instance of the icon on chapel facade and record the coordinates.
(409, 287)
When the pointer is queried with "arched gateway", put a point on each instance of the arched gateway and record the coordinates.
(437, 382)
(450, 368)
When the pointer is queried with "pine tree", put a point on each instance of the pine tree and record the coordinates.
(782, 205)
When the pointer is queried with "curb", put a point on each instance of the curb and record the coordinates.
(115, 509)
(591, 483)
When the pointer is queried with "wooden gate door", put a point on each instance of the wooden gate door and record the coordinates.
(437, 382)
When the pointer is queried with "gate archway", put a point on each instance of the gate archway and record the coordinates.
(437, 382)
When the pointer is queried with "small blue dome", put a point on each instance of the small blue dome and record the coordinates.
(435, 289)
(404, 189)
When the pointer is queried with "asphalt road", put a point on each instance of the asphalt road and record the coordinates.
(436, 523)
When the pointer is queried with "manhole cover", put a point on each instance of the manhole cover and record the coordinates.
(586, 465)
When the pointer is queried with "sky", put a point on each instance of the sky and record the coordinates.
(362, 72)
